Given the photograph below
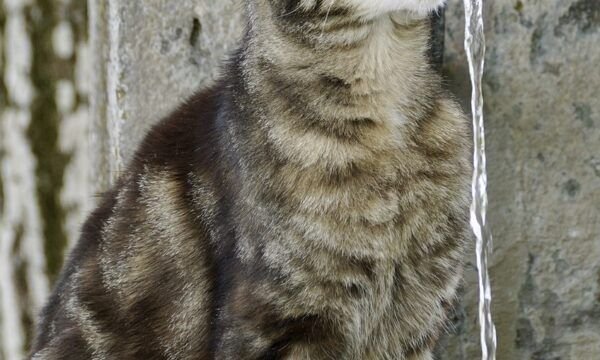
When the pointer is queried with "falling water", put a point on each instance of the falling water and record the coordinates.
(475, 48)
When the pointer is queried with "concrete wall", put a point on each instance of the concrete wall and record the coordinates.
(543, 138)
(155, 54)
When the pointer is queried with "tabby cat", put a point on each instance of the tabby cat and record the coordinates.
(313, 204)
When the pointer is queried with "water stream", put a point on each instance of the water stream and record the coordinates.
(475, 49)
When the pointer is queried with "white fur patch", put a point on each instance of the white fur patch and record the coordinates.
(378, 7)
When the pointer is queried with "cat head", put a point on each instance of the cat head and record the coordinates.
(363, 8)
(418, 8)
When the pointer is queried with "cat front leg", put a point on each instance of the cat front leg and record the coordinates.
(302, 338)
(255, 325)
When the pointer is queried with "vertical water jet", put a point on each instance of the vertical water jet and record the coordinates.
(475, 50)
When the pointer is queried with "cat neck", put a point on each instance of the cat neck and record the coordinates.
(326, 115)
(336, 68)
(333, 97)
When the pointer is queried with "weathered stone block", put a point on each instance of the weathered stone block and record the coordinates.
(543, 133)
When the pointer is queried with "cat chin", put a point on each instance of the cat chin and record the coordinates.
(417, 8)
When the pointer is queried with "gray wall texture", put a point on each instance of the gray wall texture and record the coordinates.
(543, 138)
(151, 55)
(140, 58)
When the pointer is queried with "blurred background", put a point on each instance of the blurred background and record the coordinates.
(80, 83)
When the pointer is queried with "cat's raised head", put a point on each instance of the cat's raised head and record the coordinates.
(367, 8)
(330, 24)
(378, 7)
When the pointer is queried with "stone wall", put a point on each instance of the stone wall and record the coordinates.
(543, 138)
(155, 54)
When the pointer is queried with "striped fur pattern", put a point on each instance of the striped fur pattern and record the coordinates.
(311, 205)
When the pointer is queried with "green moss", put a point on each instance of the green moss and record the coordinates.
(22, 286)
(43, 131)
(1, 184)
(3, 98)
(519, 6)
(78, 18)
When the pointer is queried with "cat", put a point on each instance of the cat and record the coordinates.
(312, 204)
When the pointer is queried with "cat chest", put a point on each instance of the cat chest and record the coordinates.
(385, 313)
